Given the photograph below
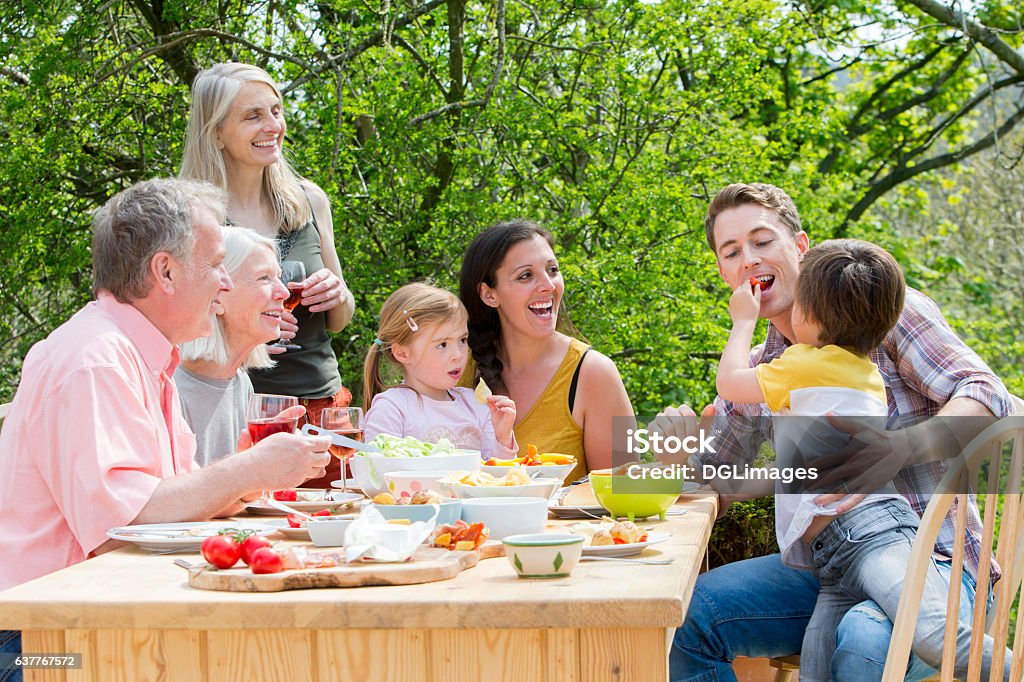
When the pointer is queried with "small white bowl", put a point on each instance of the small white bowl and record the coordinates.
(543, 555)
(559, 471)
(447, 512)
(329, 531)
(506, 516)
(537, 487)
(408, 483)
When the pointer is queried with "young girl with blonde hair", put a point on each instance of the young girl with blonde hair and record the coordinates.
(423, 332)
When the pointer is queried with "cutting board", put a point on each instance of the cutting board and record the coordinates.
(428, 564)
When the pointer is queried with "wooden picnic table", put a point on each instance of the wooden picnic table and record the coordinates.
(133, 617)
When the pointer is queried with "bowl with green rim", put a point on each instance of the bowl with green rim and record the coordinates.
(543, 555)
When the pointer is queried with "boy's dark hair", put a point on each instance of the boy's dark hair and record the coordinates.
(853, 290)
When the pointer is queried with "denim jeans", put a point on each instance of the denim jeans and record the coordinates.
(864, 554)
(760, 607)
(10, 643)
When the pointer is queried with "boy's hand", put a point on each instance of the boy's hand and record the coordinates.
(503, 416)
(745, 302)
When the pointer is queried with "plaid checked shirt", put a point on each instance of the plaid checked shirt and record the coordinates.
(924, 365)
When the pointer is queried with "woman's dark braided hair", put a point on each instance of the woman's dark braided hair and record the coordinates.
(479, 265)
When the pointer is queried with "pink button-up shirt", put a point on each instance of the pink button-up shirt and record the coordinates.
(95, 426)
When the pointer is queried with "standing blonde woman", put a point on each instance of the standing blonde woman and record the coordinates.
(235, 140)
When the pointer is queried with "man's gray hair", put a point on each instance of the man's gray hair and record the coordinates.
(146, 219)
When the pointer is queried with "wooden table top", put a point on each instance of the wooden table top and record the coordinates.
(133, 589)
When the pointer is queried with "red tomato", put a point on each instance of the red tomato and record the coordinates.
(221, 550)
(286, 495)
(322, 512)
(251, 544)
(296, 521)
(265, 560)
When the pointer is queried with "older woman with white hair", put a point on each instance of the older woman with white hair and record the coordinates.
(235, 140)
(212, 378)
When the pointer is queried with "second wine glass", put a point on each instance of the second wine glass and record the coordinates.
(293, 273)
(345, 421)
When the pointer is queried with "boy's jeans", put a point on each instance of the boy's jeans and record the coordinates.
(760, 607)
(864, 554)
(10, 643)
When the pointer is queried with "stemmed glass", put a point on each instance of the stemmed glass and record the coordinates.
(264, 417)
(293, 273)
(345, 421)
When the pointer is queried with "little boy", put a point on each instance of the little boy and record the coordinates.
(848, 296)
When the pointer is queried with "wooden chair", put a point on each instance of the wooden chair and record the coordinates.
(786, 666)
(1001, 448)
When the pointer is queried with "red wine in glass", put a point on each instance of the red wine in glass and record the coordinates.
(294, 296)
(293, 274)
(340, 451)
(263, 418)
(261, 428)
(346, 421)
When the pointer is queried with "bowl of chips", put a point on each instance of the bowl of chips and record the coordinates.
(515, 483)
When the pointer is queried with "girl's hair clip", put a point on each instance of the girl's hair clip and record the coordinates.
(410, 321)
(379, 342)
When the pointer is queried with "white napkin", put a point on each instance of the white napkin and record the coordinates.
(371, 538)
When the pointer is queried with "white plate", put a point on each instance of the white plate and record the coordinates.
(291, 533)
(162, 537)
(564, 512)
(352, 485)
(627, 549)
(332, 498)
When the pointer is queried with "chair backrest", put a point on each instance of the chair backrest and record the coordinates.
(996, 459)
(4, 409)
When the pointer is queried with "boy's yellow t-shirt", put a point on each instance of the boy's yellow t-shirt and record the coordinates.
(794, 381)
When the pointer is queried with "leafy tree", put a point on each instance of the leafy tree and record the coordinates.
(611, 123)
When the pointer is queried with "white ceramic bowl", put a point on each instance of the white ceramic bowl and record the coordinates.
(408, 483)
(538, 487)
(543, 555)
(329, 531)
(369, 469)
(506, 516)
(559, 471)
(447, 512)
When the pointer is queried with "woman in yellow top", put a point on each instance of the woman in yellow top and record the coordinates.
(566, 393)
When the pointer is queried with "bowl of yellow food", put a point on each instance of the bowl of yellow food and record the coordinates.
(515, 483)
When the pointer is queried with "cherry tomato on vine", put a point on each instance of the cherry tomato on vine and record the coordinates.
(265, 560)
(252, 543)
(221, 550)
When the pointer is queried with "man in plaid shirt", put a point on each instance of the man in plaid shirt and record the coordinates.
(760, 607)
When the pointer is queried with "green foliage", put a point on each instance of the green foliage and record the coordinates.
(746, 530)
(610, 123)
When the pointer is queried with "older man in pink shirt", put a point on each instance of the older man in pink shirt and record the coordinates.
(95, 438)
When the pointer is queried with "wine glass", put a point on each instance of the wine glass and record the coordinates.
(263, 418)
(293, 273)
(345, 421)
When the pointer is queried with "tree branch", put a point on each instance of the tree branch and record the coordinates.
(903, 172)
(15, 75)
(174, 41)
(373, 40)
(956, 19)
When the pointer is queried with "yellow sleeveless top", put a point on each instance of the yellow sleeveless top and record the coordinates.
(549, 424)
